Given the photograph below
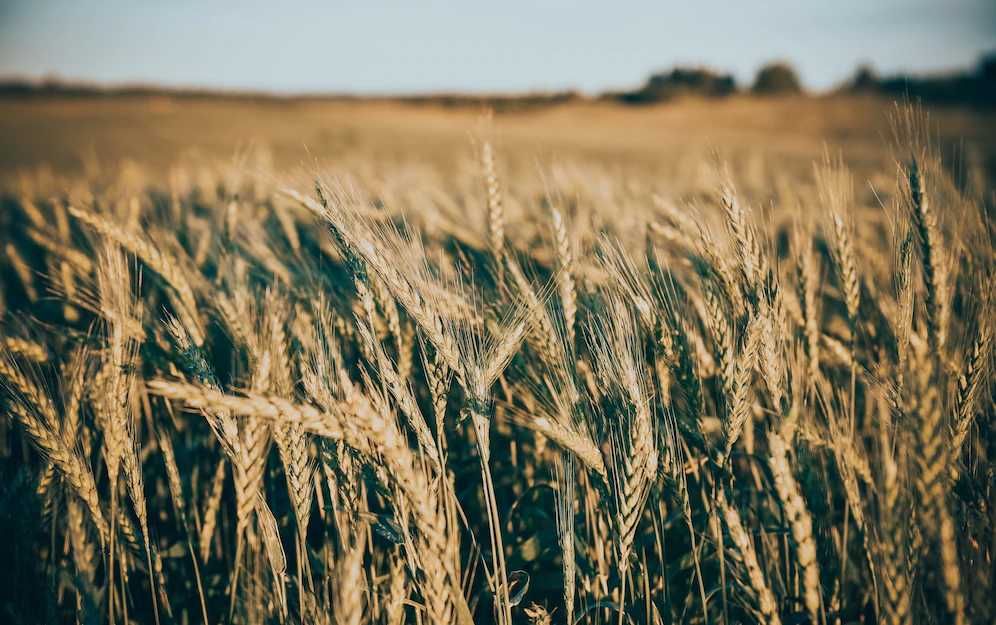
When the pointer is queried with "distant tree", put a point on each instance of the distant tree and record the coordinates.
(974, 87)
(985, 79)
(987, 67)
(692, 80)
(865, 79)
(681, 81)
(776, 79)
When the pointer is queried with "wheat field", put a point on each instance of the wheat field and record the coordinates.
(705, 363)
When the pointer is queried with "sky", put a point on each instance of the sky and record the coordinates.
(421, 46)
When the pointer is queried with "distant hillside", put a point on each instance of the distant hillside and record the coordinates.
(19, 88)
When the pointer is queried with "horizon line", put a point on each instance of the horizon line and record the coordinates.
(55, 79)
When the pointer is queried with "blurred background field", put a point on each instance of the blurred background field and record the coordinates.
(70, 136)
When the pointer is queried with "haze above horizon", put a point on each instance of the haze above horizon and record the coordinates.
(548, 45)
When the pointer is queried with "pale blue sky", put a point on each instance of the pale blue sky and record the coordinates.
(421, 46)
